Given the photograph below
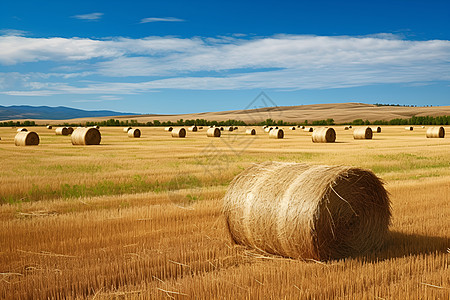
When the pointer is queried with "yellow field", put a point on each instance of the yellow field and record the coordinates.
(141, 218)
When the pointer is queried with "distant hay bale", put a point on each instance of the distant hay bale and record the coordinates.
(310, 212)
(213, 132)
(350, 126)
(436, 132)
(235, 128)
(86, 136)
(169, 129)
(22, 129)
(49, 126)
(376, 129)
(193, 128)
(362, 133)
(265, 126)
(410, 128)
(302, 127)
(62, 131)
(292, 128)
(346, 128)
(229, 128)
(96, 127)
(422, 126)
(134, 133)
(324, 135)
(200, 127)
(268, 129)
(276, 134)
(250, 131)
(179, 132)
(308, 129)
(126, 129)
(70, 130)
(276, 127)
(221, 128)
(26, 138)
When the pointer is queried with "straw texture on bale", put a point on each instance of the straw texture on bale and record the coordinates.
(409, 128)
(193, 128)
(179, 132)
(436, 132)
(22, 129)
(126, 129)
(169, 129)
(213, 132)
(250, 131)
(276, 134)
(62, 131)
(86, 136)
(26, 138)
(317, 212)
(49, 126)
(308, 129)
(376, 129)
(134, 133)
(362, 133)
(324, 135)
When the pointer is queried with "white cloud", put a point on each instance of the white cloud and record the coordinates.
(89, 17)
(166, 19)
(13, 32)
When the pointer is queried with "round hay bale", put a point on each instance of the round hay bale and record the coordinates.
(436, 132)
(318, 212)
(308, 129)
(22, 129)
(193, 128)
(179, 132)
(213, 132)
(62, 131)
(276, 134)
(200, 127)
(229, 128)
(376, 129)
(221, 128)
(134, 133)
(86, 136)
(410, 128)
(346, 128)
(126, 129)
(96, 127)
(250, 131)
(265, 126)
(70, 130)
(422, 126)
(169, 129)
(324, 135)
(302, 127)
(26, 138)
(268, 129)
(292, 128)
(362, 133)
(350, 126)
(235, 128)
(49, 126)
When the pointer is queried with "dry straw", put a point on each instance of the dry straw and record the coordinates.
(213, 132)
(22, 129)
(309, 212)
(193, 128)
(126, 129)
(62, 131)
(276, 134)
(362, 133)
(376, 129)
(324, 135)
(169, 129)
(134, 133)
(26, 138)
(436, 132)
(86, 136)
(179, 132)
(410, 128)
(250, 131)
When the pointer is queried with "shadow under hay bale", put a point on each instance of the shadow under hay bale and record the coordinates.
(436, 132)
(363, 133)
(86, 136)
(179, 132)
(318, 212)
(134, 133)
(324, 135)
(26, 138)
(213, 132)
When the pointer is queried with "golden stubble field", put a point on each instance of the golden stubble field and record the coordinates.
(141, 218)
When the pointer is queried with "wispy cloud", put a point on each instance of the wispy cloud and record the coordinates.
(13, 32)
(89, 17)
(166, 19)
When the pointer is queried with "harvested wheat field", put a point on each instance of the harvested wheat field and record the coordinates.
(143, 218)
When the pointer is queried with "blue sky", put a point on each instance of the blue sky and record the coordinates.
(193, 56)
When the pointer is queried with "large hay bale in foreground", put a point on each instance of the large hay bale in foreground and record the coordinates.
(134, 133)
(62, 131)
(213, 132)
(169, 129)
(179, 132)
(436, 132)
(362, 133)
(26, 138)
(376, 129)
(250, 131)
(22, 129)
(276, 134)
(126, 129)
(86, 136)
(324, 135)
(318, 212)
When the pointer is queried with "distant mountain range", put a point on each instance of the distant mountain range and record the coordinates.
(52, 113)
